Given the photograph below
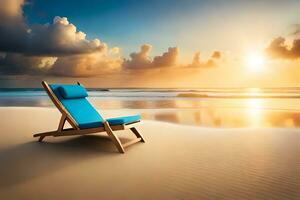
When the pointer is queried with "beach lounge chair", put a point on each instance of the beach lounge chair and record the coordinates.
(83, 117)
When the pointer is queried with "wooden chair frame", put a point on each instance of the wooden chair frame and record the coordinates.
(76, 130)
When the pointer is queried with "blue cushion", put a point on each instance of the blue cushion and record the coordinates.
(112, 121)
(85, 115)
(123, 120)
(80, 109)
(72, 91)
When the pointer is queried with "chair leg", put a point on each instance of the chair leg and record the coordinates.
(62, 122)
(137, 134)
(113, 137)
(60, 126)
(41, 138)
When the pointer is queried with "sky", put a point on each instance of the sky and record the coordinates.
(166, 43)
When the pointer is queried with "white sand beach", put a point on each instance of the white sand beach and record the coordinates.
(176, 162)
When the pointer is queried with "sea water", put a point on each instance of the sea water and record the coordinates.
(208, 107)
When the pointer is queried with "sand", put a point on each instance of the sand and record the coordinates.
(176, 162)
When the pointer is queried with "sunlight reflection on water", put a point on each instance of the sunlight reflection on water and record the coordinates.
(229, 118)
(251, 112)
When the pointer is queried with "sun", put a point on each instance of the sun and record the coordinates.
(255, 62)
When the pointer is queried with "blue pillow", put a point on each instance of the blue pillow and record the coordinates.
(72, 91)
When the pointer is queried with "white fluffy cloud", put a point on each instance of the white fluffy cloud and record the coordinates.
(55, 39)
(59, 49)
(56, 48)
(61, 38)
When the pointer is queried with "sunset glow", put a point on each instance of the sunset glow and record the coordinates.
(207, 93)
(255, 62)
(159, 44)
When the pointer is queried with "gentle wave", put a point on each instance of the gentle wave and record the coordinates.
(169, 93)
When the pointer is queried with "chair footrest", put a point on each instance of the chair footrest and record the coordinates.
(131, 142)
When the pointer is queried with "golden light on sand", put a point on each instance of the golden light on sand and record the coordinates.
(255, 62)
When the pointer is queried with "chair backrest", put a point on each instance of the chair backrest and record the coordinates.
(72, 99)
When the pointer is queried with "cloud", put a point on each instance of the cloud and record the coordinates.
(141, 59)
(196, 59)
(13, 30)
(11, 11)
(73, 66)
(211, 62)
(13, 64)
(61, 38)
(56, 39)
(216, 55)
(279, 49)
(114, 50)
(296, 30)
(57, 48)
(85, 65)
(168, 58)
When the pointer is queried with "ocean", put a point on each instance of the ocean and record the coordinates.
(208, 107)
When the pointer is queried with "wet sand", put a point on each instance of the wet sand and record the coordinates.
(176, 162)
